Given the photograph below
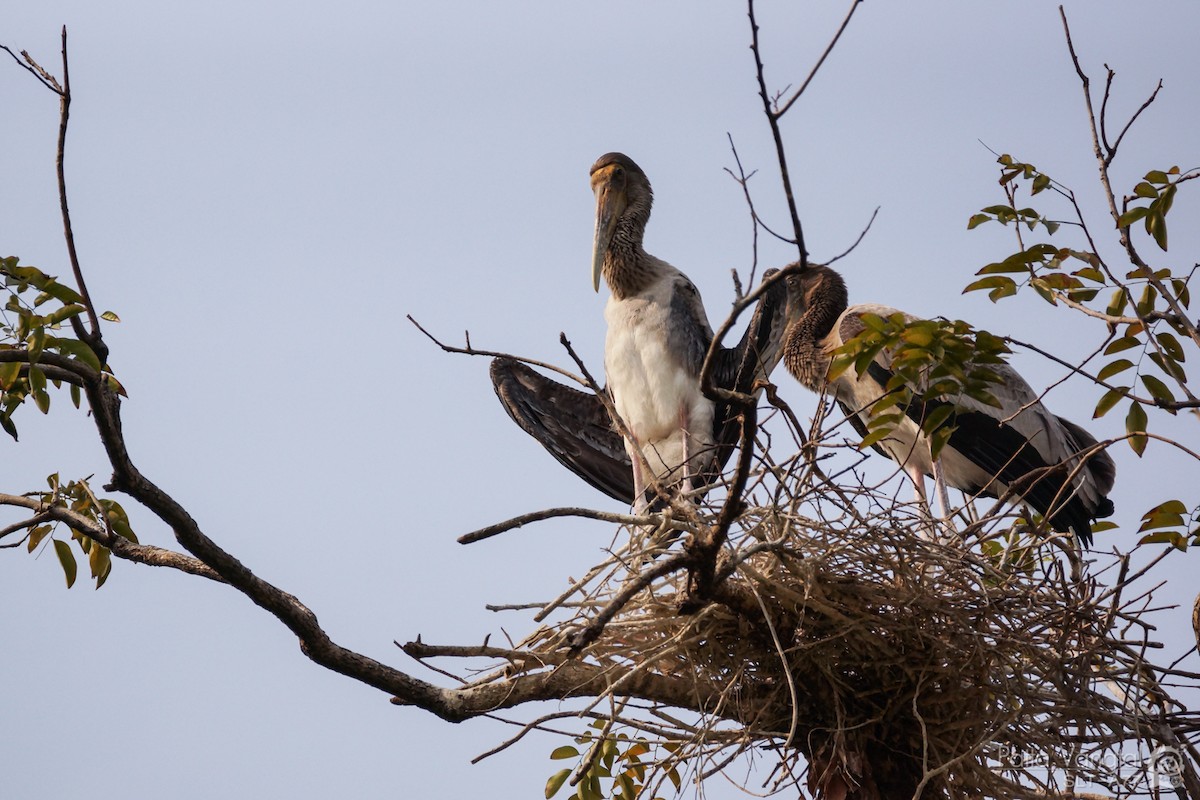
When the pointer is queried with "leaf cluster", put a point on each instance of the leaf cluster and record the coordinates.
(934, 364)
(1159, 187)
(30, 327)
(1146, 309)
(620, 761)
(77, 497)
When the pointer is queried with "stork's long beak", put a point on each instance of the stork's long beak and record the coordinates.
(610, 202)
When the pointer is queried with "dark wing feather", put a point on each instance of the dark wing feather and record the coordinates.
(1003, 452)
(690, 339)
(576, 429)
(1100, 465)
(737, 367)
(573, 426)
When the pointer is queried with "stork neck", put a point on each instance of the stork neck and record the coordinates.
(805, 354)
(627, 268)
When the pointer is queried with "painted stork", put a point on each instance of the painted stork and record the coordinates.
(1021, 444)
(658, 335)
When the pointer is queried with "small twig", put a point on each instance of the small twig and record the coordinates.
(628, 591)
(828, 49)
(471, 351)
(773, 121)
(857, 241)
(26, 62)
(551, 513)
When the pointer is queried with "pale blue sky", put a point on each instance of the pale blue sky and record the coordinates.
(262, 191)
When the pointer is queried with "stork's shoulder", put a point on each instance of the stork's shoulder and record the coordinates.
(850, 323)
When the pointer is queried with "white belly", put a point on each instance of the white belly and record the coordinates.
(655, 395)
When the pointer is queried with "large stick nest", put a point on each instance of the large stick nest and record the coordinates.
(873, 661)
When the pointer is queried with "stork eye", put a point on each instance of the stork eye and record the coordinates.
(618, 173)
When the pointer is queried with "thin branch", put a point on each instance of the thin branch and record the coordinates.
(120, 546)
(857, 241)
(828, 49)
(92, 337)
(551, 513)
(619, 600)
(773, 121)
(471, 351)
(26, 62)
(1112, 151)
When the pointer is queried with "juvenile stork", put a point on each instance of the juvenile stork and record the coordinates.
(1021, 444)
(658, 335)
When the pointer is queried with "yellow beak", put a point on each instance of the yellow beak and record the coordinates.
(610, 202)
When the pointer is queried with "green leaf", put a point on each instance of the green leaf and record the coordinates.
(1110, 399)
(36, 535)
(7, 424)
(556, 781)
(1156, 176)
(37, 341)
(1119, 300)
(67, 559)
(1044, 290)
(1135, 423)
(994, 282)
(10, 371)
(63, 314)
(589, 789)
(977, 220)
(1181, 291)
(934, 419)
(37, 379)
(1165, 537)
(866, 356)
(939, 438)
(1144, 189)
(77, 349)
(1156, 226)
(1169, 507)
(995, 295)
(1090, 273)
(105, 566)
(110, 316)
(1124, 343)
(1168, 197)
(99, 561)
(1158, 390)
(113, 385)
(1131, 216)
(1114, 368)
(566, 751)
(1169, 366)
(1171, 346)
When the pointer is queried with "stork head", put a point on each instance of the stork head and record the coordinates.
(622, 191)
(817, 286)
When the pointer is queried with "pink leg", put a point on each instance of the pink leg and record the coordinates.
(939, 486)
(639, 481)
(686, 486)
(918, 480)
(929, 528)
